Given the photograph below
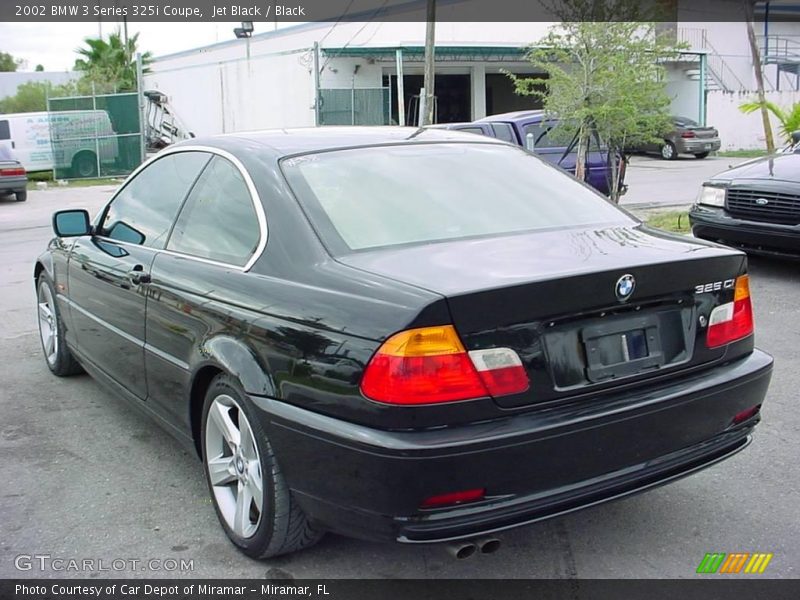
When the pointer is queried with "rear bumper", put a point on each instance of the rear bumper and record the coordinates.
(369, 484)
(697, 145)
(772, 239)
(13, 184)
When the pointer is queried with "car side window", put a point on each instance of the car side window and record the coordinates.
(541, 135)
(218, 221)
(477, 130)
(143, 212)
(5, 131)
(504, 132)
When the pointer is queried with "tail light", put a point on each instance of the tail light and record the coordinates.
(746, 415)
(454, 498)
(430, 365)
(734, 320)
(12, 172)
(688, 134)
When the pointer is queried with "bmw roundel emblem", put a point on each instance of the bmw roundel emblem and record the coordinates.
(625, 286)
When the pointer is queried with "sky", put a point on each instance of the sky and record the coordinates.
(53, 44)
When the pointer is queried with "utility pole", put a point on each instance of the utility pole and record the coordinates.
(756, 54)
(430, 37)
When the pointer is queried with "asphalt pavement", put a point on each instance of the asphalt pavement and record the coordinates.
(654, 182)
(85, 476)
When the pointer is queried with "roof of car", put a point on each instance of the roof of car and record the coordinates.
(284, 142)
(513, 116)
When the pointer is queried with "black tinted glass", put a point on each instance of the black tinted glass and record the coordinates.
(219, 220)
(143, 212)
(5, 133)
(504, 132)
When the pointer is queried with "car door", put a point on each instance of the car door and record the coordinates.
(109, 271)
(199, 285)
(553, 148)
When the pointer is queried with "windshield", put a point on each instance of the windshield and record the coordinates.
(390, 195)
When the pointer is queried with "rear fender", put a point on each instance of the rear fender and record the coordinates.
(239, 361)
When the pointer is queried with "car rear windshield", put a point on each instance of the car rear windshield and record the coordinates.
(373, 197)
(684, 122)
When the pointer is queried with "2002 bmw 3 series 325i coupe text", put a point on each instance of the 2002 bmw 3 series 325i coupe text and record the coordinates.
(401, 335)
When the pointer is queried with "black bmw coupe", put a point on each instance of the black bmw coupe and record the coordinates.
(401, 334)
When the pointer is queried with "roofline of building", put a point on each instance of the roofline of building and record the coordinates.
(361, 16)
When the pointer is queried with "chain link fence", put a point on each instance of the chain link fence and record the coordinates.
(95, 136)
(355, 106)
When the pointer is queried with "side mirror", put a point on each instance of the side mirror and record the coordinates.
(796, 137)
(71, 223)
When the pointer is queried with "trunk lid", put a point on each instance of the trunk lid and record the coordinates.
(702, 132)
(552, 297)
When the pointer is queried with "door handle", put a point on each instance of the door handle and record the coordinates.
(138, 276)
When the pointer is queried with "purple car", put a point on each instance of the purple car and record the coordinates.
(531, 129)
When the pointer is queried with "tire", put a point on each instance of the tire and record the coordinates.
(244, 471)
(84, 165)
(22, 196)
(668, 151)
(701, 155)
(57, 355)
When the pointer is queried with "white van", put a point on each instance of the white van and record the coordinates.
(81, 137)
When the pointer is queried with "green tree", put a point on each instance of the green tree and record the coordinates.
(8, 62)
(111, 64)
(789, 119)
(30, 97)
(602, 75)
(39, 68)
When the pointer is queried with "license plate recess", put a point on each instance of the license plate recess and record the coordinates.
(622, 348)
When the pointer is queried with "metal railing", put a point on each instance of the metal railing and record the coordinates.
(780, 48)
(716, 68)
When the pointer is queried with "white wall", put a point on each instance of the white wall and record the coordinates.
(683, 92)
(740, 131)
(263, 92)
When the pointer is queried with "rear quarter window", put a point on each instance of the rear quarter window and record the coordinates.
(504, 131)
(5, 131)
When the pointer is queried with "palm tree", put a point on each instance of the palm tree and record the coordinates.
(789, 120)
(111, 63)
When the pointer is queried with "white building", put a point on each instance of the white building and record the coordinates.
(270, 80)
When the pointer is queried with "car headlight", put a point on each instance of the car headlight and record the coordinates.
(711, 196)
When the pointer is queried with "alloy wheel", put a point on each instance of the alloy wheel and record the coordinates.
(234, 466)
(48, 323)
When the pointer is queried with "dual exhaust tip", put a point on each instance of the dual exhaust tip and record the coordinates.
(469, 548)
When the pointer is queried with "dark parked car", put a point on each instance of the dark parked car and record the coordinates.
(755, 207)
(688, 137)
(401, 334)
(13, 178)
(533, 130)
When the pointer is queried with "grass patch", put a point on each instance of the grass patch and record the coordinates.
(73, 183)
(676, 221)
(742, 153)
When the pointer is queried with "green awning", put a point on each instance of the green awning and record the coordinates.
(443, 53)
